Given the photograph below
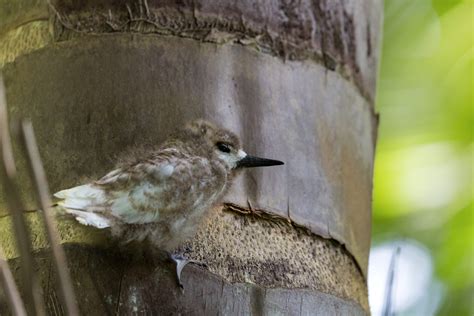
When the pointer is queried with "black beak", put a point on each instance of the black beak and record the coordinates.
(251, 161)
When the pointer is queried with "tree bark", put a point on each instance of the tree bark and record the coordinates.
(296, 81)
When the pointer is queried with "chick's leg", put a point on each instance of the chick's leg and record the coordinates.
(181, 262)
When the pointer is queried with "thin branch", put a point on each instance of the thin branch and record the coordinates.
(34, 301)
(9, 288)
(30, 148)
(7, 154)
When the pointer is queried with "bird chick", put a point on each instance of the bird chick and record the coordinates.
(162, 195)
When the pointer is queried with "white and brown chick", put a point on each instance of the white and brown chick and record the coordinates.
(162, 195)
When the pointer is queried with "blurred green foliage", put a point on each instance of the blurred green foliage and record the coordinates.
(423, 186)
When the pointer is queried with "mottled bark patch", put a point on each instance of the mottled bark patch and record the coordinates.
(324, 31)
(271, 252)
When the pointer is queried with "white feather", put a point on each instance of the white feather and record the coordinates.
(89, 219)
(82, 191)
(166, 170)
(161, 171)
(81, 197)
(78, 200)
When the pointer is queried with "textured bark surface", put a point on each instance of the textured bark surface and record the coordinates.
(295, 81)
(251, 248)
(342, 36)
(109, 282)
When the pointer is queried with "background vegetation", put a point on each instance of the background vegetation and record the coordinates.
(423, 194)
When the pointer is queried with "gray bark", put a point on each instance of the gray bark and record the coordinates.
(295, 81)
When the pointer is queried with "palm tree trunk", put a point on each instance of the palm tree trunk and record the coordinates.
(296, 81)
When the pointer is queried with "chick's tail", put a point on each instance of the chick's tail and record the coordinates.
(80, 202)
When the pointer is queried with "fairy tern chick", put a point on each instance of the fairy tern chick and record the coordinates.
(162, 195)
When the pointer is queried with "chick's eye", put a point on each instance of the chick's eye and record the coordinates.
(223, 147)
